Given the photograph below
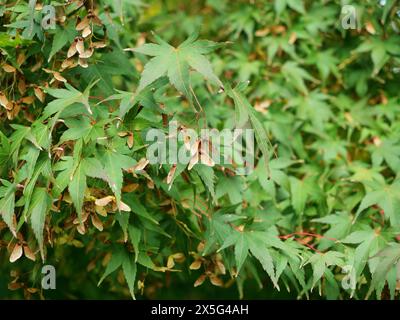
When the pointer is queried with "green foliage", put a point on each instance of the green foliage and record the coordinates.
(320, 210)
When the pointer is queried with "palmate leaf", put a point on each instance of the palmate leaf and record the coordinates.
(385, 196)
(7, 204)
(386, 269)
(245, 111)
(114, 163)
(77, 187)
(129, 269)
(39, 207)
(67, 97)
(121, 258)
(321, 261)
(259, 244)
(369, 242)
(176, 63)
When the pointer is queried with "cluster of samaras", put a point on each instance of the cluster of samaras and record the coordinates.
(18, 94)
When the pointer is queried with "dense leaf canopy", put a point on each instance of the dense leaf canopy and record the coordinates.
(318, 217)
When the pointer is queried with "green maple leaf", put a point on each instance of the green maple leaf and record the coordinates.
(40, 206)
(114, 163)
(386, 269)
(389, 151)
(321, 261)
(176, 63)
(386, 197)
(7, 204)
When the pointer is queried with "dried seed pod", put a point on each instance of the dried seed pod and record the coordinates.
(81, 229)
(8, 68)
(100, 211)
(28, 100)
(83, 63)
(84, 23)
(16, 253)
(59, 77)
(86, 32)
(104, 201)
(141, 164)
(80, 46)
(39, 93)
(216, 281)
(21, 86)
(72, 49)
(38, 64)
(3, 100)
(29, 254)
(85, 216)
(170, 262)
(21, 58)
(195, 264)
(130, 140)
(207, 160)
(193, 161)
(171, 174)
(124, 207)
(130, 187)
(200, 280)
(97, 222)
(10, 105)
(98, 44)
(87, 53)
(67, 64)
(96, 20)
